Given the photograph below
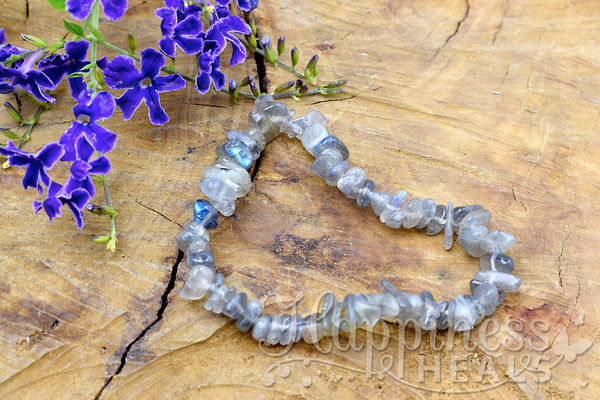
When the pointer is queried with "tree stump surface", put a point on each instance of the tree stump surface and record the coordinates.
(478, 102)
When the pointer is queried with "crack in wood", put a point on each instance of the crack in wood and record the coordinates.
(458, 25)
(164, 302)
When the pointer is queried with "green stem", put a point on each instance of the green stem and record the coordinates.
(112, 243)
(31, 123)
(277, 62)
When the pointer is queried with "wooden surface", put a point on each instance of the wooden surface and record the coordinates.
(490, 102)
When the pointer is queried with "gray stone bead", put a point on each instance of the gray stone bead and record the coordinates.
(449, 229)
(497, 262)
(413, 212)
(352, 181)
(387, 303)
(218, 190)
(329, 303)
(501, 293)
(217, 282)
(438, 222)
(487, 295)
(258, 136)
(274, 111)
(197, 283)
(205, 258)
(336, 173)
(229, 172)
(268, 130)
(411, 305)
(297, 325)
(368, 311)
(247, 140)
(316, 117)
(249, 316)
(288, 333)
(506, 282)
(296, 127)
(274, 334)
(261, 327)
(379, 200)
(442, 320)
(365, 193)
(312, 330)
(326, 162)
(428, 213)
(216, 297)
(349, 317)
(392, 216)
(194, 237)
(460, 212)
(479, 217)
(313, 136)
(464, 314)
(430, 314)
(497, 241)
(331, 142)
(225, 207)
(234, 308)
(470, 239)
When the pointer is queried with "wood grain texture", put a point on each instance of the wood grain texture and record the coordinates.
(489, 102)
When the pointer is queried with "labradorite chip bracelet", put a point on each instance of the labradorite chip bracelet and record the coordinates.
(228, 179)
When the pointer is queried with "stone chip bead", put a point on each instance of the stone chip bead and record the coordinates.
(352, 181)
(474, 284)
(313, 136)
(449, 229)
(438, 222)
(204, 257)
(275, 329)
(460, 212)
(194, 238)
(197, 283)
(230, 172)
(506, 282)
(326, 162)
(217, 190)
(331, 142)
(367, 310)
(261, 327)
(430, 314)
(478, 217)
(464, 314)
(497, 262)
(365, 193)
(487, 295)
(497, 241)
(205, 214)
(379, 200)
(336, 173)
(234, 308)
(428, 213)
(470, 239)
(249, 316)
(413, 212)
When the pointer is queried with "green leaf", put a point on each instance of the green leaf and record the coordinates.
(95, 32)
(9, 134)
(58, 4)
(76, 74)
(74, 28)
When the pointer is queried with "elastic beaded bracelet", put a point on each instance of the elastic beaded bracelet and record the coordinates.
(228, 179)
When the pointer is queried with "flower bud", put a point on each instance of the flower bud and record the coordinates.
(280, 45)
(34, 40)
(285, 86)
(266, 45)
(303, 89)
(246, 81)
(252, 41)
(233, 91)
(9, 134)
(299, 83)
(13, 112)
(253, 25)
(101, 210)
(255, 89)
(99, 76)
(335, 84)
(101, 239)
(312, 64)
(294, 55)
(132, 43)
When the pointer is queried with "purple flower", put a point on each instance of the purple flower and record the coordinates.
(181, 33)
(82, 167)
(57, 66)
(27, 78)
(2, 36)
(36, 165)
(221, 31)
(58, 195)
(184, 9)
(113, 9)
(244, 5)
(209, 72)
(87, 126)
(121, 73)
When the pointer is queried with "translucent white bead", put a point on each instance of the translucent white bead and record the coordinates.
(470, 239)
(194, 237)
(261, 327)
(228, 171)
(497, 241)
(428, 213)
(313, 136)
(197, 283)
(367, 310)
(352, 181)
(497, 262)
(506, 282)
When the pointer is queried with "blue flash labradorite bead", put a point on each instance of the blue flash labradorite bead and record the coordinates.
(205, 214)
(240, 152)
(331, 142)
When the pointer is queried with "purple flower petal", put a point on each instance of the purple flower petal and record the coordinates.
(80, 170)
(114, 9)
(51, 206)
(79, 9)
(101, 138)
(168, 83)
(100, 165)
(157, 114)
(84, 149)
(168, 21)
(203, 82)
(2, 37)
(121, 73)
(69, 138)
(130, 101)
(152, 62)
(167, 46)
(50, 154)
(102, 107)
